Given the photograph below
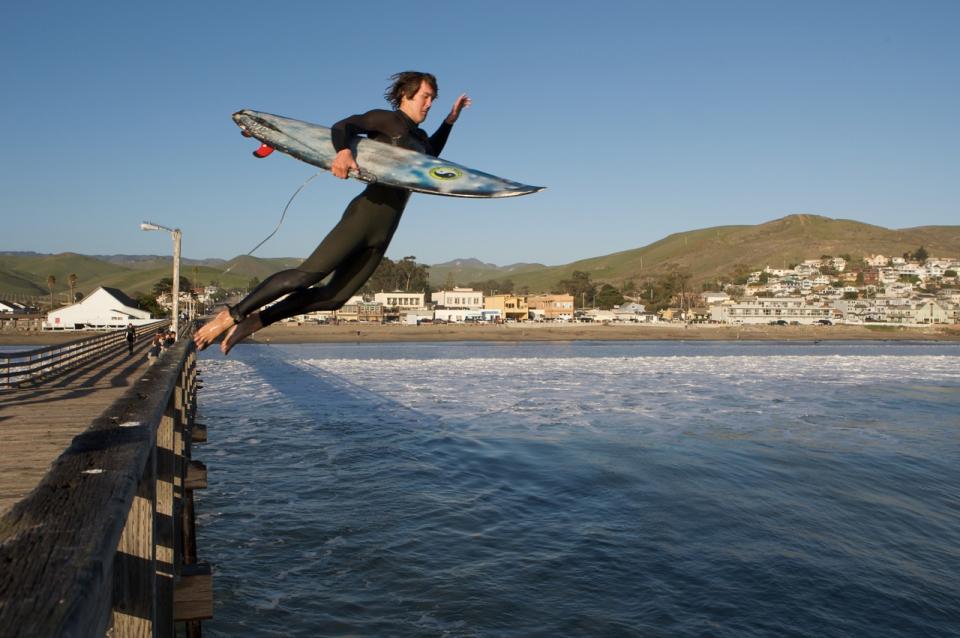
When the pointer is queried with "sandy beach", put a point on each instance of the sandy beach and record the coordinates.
(310, 333)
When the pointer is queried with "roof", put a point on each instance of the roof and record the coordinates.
(122, 297)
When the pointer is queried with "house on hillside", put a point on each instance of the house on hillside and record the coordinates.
(103, 309)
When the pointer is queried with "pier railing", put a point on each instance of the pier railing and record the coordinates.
(106, 542)
(30, 365)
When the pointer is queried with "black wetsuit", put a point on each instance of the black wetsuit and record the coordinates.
(353, 249)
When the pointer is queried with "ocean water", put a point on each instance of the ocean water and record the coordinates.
(583, 489)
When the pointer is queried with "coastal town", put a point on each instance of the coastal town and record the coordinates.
(913, 290)
(884, 290)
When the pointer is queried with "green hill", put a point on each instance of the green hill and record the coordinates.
(26, 274)
(708, 254)
(466, 270)
(711, 253)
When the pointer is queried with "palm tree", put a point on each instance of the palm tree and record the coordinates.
(51, 282)
(72, 279)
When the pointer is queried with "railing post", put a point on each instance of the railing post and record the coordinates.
(165, 520)
(135, 565)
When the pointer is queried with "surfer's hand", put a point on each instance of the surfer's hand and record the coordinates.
(461, 103)
(343, 163)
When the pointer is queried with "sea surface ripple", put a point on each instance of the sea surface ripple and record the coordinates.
(583, 489)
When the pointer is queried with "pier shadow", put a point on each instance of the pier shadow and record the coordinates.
(112, 370)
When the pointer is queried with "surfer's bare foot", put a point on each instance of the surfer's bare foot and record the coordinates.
(209, 331)
(241, 331)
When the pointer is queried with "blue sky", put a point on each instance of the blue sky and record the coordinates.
(642, 118)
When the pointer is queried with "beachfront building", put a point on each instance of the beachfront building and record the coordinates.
(458, 315)
(550, 307)
(103, 309)
(466, 298)
(358, 310)
(400, 300)
(397, 305)
(762, 310)
(918, 312)
(510, 307)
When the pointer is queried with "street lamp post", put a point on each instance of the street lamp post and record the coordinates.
(176, 235)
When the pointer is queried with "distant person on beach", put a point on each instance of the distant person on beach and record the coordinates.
(353, 249)
(131, 338)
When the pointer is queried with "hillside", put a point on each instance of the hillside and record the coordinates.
(711, 253)
(707, 253)
(466, 270)
(26, 274)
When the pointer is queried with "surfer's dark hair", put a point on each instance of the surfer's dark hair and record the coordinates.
(406, 84)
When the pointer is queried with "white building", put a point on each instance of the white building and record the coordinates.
(401, 300)
(104, 308)
(710, 298)
(458, 315)
(459, 298)
(767, 309)
(918, 312)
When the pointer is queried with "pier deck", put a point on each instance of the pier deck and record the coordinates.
(38, 422)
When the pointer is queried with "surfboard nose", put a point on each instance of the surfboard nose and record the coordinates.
(249, 120)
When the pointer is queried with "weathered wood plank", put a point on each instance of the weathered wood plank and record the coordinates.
(196, 476)
(198, 433)
(38, 424)
(193, 599)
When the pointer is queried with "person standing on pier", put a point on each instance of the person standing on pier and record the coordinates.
(131, 338)
(354, 248)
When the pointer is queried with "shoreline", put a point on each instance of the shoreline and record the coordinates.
(374, 333)
(377, 333)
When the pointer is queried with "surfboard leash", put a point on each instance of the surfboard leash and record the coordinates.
(283, 215)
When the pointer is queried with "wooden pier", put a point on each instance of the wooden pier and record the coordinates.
(97, 525)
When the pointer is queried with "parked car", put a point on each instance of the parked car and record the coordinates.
(823, 322)
(779, 322)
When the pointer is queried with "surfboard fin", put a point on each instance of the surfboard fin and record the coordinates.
(263, 151)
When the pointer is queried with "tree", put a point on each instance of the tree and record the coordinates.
(165, 285)
(580, 286)
(149, 303)
(72, 280)
(413, 276)
(406, 275)
(608, 297)
(920, 254)
(493, 286)
(672, 287)
(740, 273)
(950, 273)
(850, 295)
(51, 282)
(253, 283)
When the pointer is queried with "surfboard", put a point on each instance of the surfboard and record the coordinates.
(379, 163)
